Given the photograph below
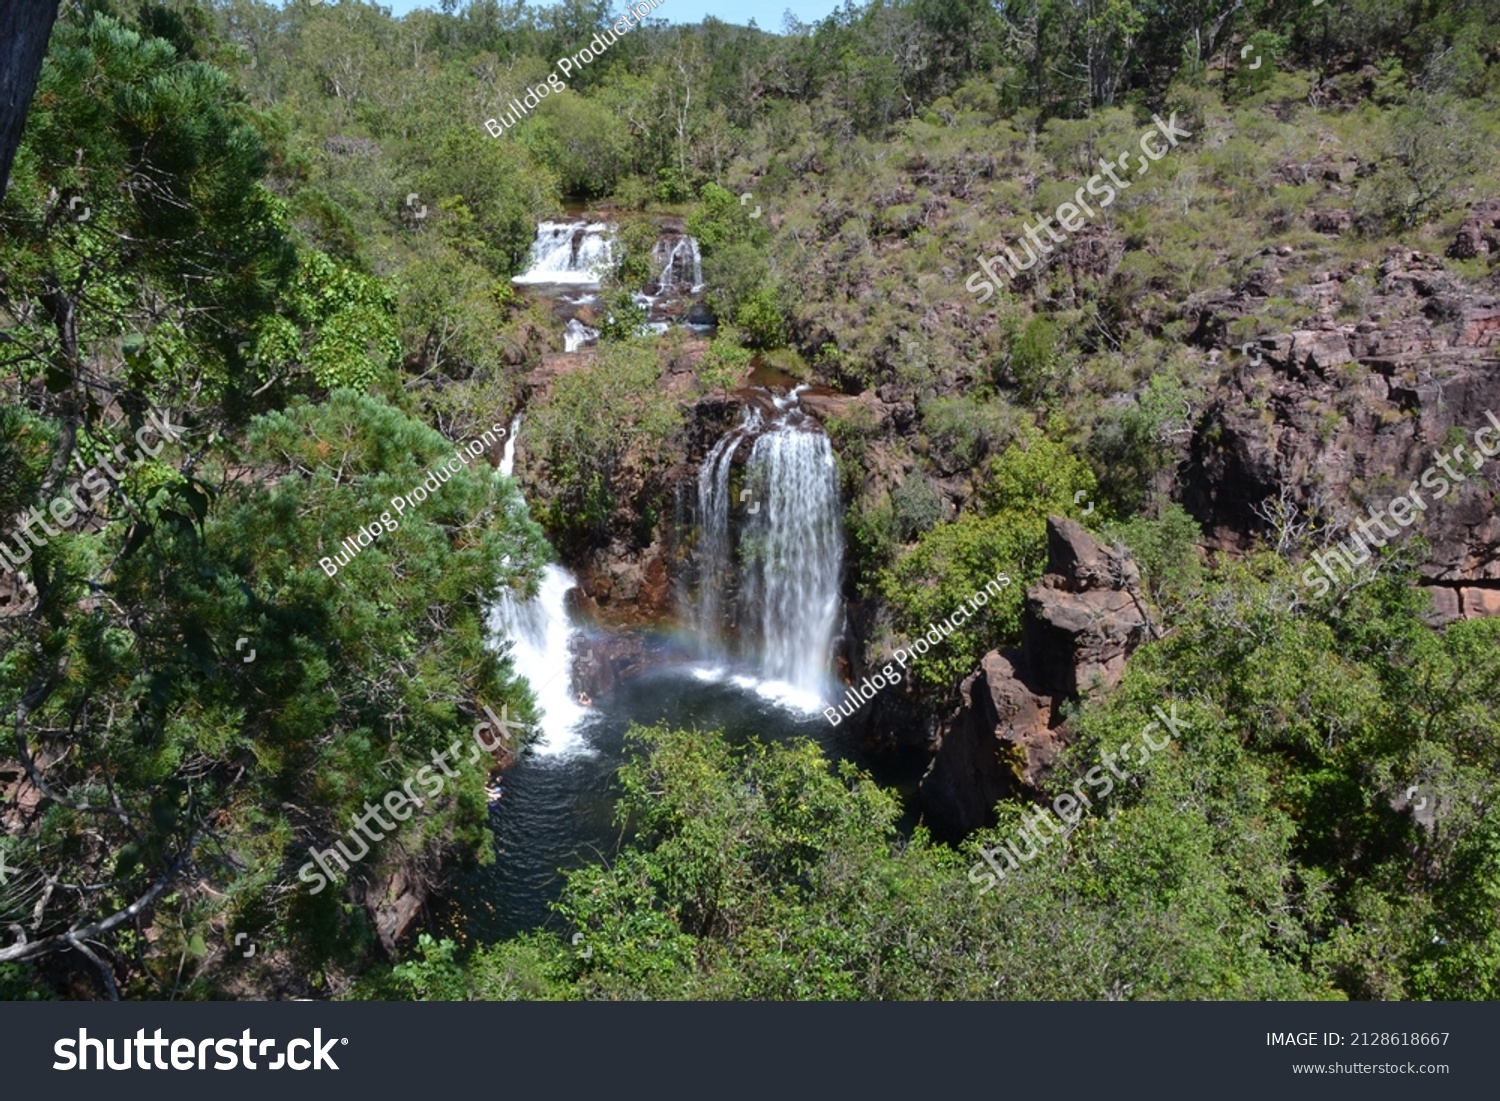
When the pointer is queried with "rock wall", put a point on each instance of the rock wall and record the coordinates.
(1337, 417)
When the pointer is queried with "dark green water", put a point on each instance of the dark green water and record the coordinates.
(557, 811)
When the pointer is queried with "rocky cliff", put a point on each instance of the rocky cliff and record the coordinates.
(1081, 621)
(1321, 424)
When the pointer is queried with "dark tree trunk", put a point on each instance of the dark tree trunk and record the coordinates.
(25, 26)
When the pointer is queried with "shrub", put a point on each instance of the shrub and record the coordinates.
(1034, 358)
(1034, 478)
(726, 362)
(595, 422)
(760, 316)
(1433, 143)
(1165, 549)
(916, 506)
(965, 426)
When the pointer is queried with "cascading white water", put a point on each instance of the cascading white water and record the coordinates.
(508, 457)
(671, 257)
(579, 253)
(790, 549)
(796, 552)
(576, 334)
(541, 637)
(569, 252)
(714, 550)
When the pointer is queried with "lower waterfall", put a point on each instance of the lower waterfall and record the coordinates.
(769, 558)
(542, 639)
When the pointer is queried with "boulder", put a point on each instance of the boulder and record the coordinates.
(1084, 616)
(1445, 606)
(999, 738)
(1479, 235)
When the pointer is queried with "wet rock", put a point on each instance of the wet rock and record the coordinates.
(602, 660)
(823, 404)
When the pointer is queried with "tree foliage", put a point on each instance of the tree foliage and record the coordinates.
(602, 433)
(950, 563)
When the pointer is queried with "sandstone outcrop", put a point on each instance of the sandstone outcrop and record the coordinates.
(394, 900)
(1480, 233)
(1336, 417)
(1081, 621)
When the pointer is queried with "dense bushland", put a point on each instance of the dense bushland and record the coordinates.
(298, 242)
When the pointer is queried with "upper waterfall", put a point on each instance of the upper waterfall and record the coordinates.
(569, 252)
(681, 264)
(569, 259)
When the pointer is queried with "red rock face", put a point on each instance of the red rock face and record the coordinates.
(1081, 622)
(1479, 602)
(1481, 328)
(998, 740)
(1445, 606)
(1342, 416)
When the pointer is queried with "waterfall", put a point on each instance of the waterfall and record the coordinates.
(797, 549)
(541, 637)
(569, 252)
(671, 257)
(714, 551)
(577, 254)
(788, 556)
(576, 334)
(508, 458)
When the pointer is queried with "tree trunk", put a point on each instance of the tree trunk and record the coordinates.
(25, 26)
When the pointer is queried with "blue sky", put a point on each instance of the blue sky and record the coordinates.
(766, 13)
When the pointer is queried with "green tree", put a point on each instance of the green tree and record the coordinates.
(599, 429)
(1434, 144)
(725, 363)
(136, 167)
(760, 872)
(582, 141)
(1034, 478)
(502, 190)
(194, 696)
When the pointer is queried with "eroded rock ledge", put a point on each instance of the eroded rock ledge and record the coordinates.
(1081, 621)
(1338, 416)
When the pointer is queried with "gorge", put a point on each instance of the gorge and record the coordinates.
(750, 651)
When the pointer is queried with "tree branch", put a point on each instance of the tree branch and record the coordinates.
(29, 949)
